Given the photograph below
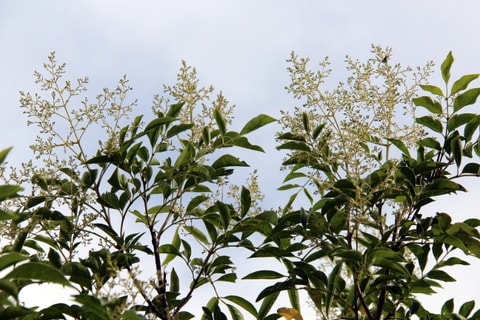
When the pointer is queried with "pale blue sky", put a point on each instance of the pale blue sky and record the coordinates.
(238, 46)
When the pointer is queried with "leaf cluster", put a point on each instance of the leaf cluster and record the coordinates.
(364, 249)
(136, 229)
(147, 197)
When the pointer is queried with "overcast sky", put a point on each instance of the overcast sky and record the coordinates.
(238, 46)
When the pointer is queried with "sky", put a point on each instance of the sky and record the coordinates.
(240, 47)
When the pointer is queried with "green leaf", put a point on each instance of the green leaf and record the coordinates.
(69, 172)
(386, 253)
(95, 310)
(172, 249)
(291, 136)
(243, 142)
(457, 150)
(78, 274)
(242, 302)
(288, 187)
(445, 67)
(68, 188)
(33, 201)
(422, 286)
(457, 120)
(463, 82)
(306, 122)
(156, 123)
(432, 89)
(183, 315)
(179, 128)
(467, 308)
(264, 274)
(421, 253)
(211, 305)
(88, 178)
(476, 315)
(227, 160)
(225, 213)
(206, 135)
(212, 222)
(245, 201)
(444, 220)
(454, 241)
(473, 245)
(11, 258)
(9, 287)
(158, 209)
(331, 286)
(142, 152)
(229, 277)
(318, 130)
(440, 275)
(19, 241)
(267, 304)
(294, 298)
(185, 156)
(441, 186)
(427, 102)
(195, 202)
(430, 143)
(234, 312)
(467, 98)
(132, 129)
(391, 265)
(447, 307)
(337, 224)
(187, 249)
(400, 145)
(9, 191)
(34, 245)
(3, 154)
(431, 123)
(279, 286)
(197, 234)
(108, 230)
(174, 109)
(54, 258)
(168, 248)
(220, 120)
(15, 313)
(131, 315)
(64, 311)
(38, 271)
(294, 175)
(174, 281)
(109, 200)
(256, 122)
(472, 222)
(201, 188)
(269, 216)
(437, 250)
(102, 159)
(294, 145)
(471, 126)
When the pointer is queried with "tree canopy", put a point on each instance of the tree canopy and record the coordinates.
(138, 225)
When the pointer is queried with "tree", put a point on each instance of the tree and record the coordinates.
(364, 249)
(135, 226)
(150, 196)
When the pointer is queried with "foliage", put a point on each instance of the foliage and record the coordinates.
(364, 249)
(135, 227)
